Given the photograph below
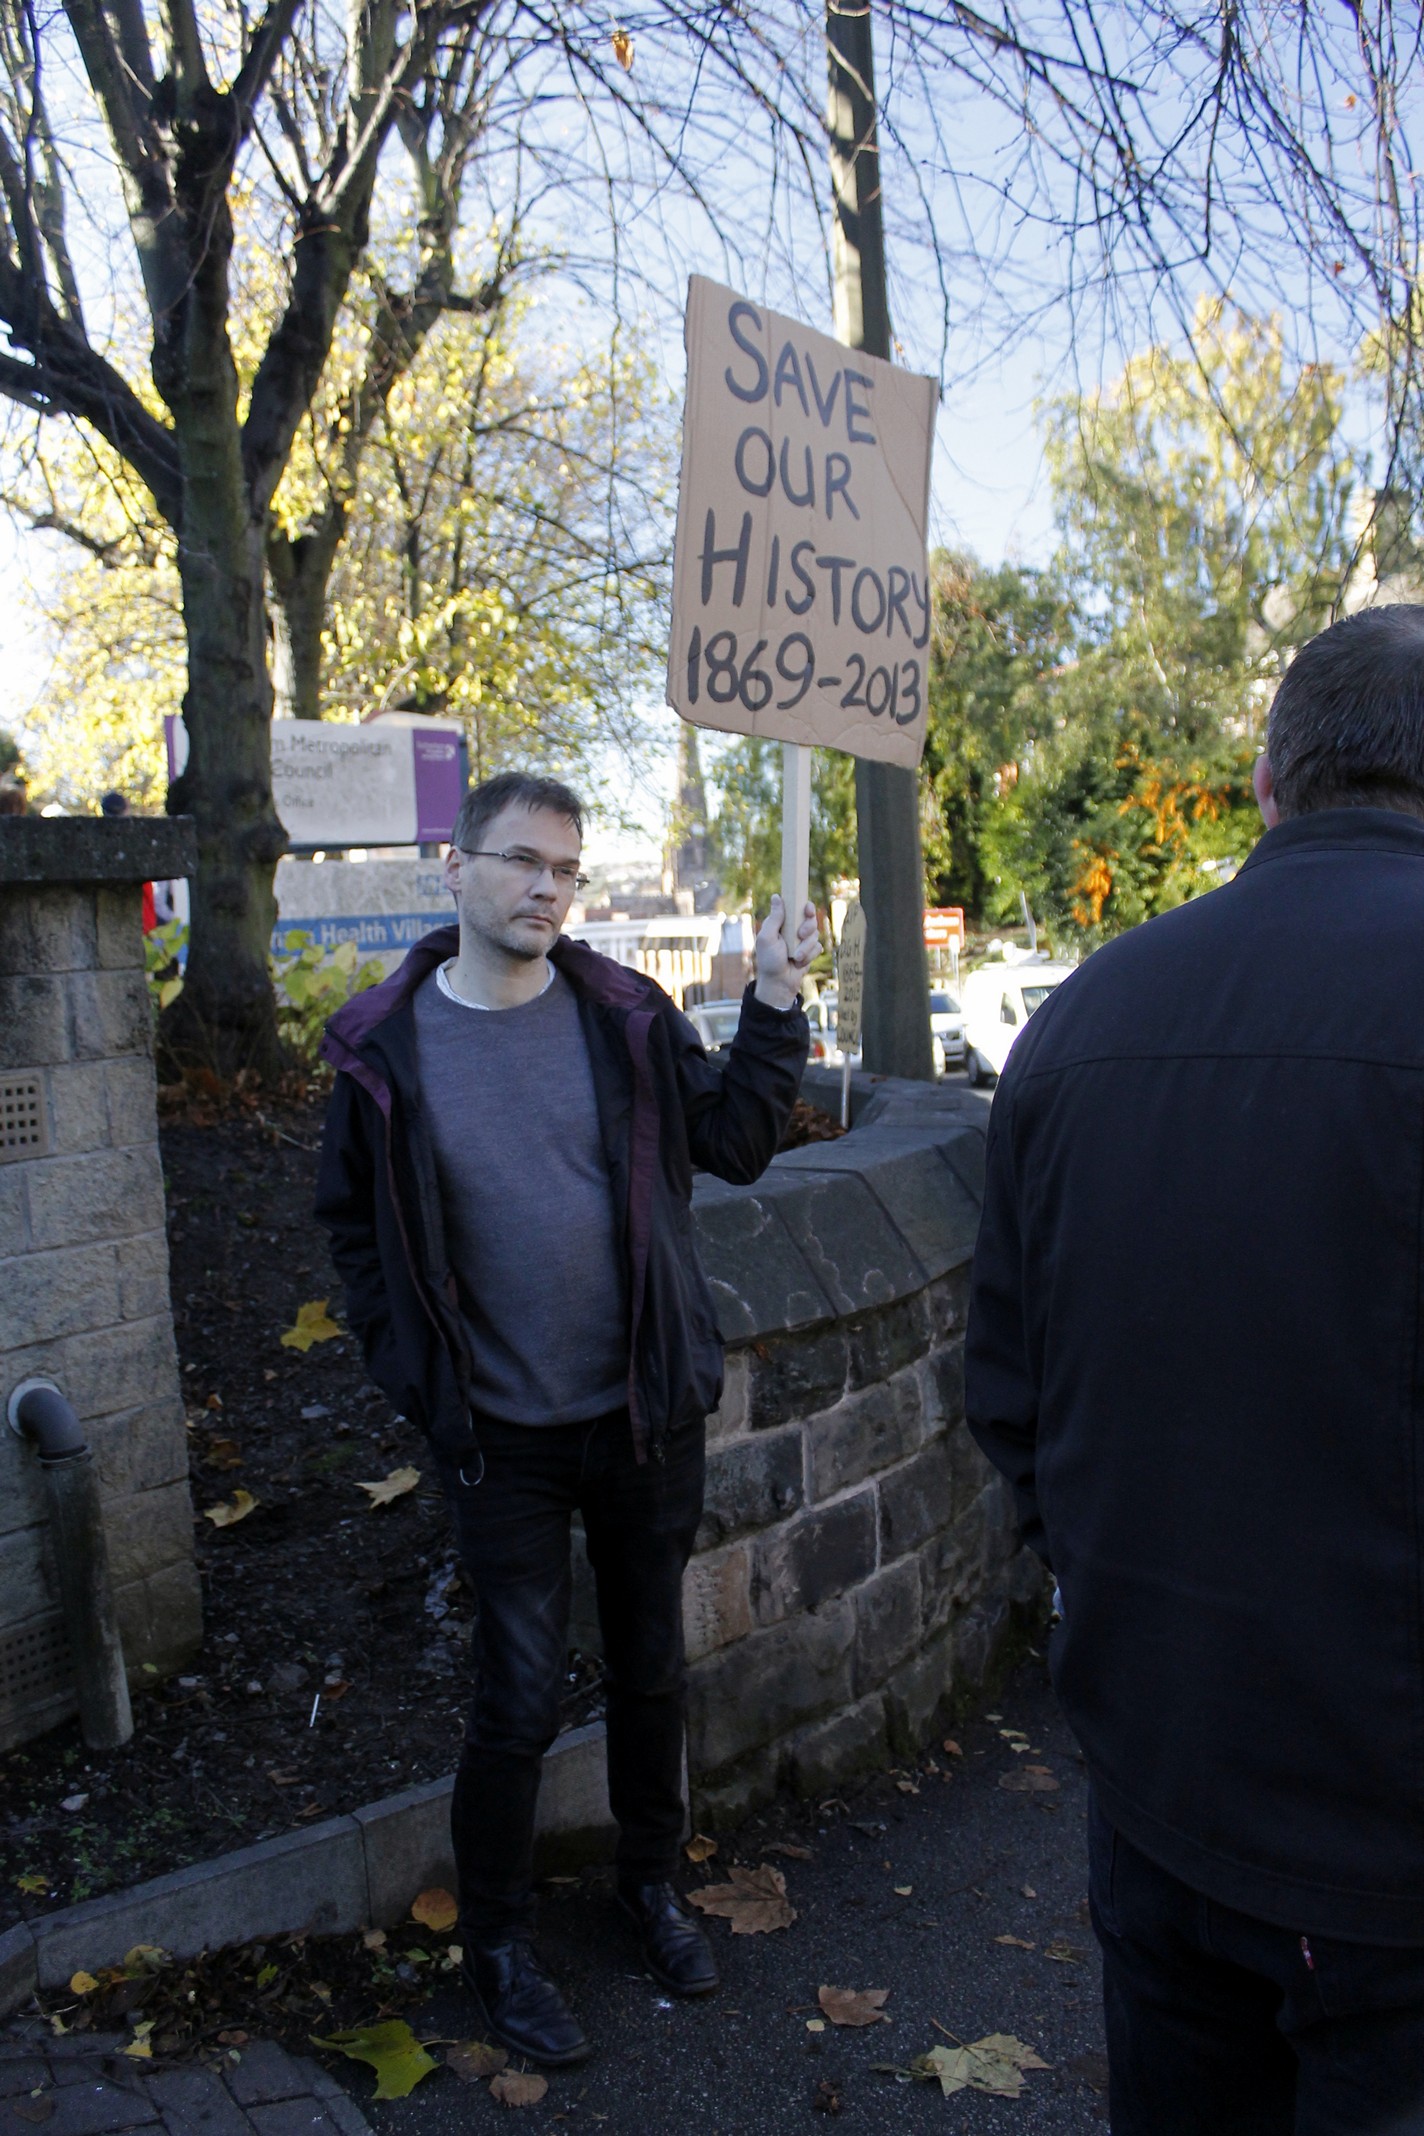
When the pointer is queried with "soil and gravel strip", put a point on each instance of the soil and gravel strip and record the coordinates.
(334, 1666)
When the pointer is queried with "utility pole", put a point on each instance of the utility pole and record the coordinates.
(896, 1014)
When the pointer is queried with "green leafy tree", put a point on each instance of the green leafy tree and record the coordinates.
(1203, 502)
(995, 634)
(747, 826)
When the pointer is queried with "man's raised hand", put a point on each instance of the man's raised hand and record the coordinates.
(779, 974)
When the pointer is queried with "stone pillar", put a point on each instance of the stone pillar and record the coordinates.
(83, 1252)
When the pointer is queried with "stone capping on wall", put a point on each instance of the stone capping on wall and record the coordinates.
(97, 849)
(839, 1228)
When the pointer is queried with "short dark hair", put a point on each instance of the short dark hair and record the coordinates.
(512, 789)
(1347, 726)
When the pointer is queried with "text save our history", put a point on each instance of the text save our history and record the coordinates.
(801, 607)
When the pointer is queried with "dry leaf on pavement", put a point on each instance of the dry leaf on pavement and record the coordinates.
(1063, 1952)
(223, 1454)
(435, 1909)
(513, 2089)
(1017, 1942)
(789, 1848)
(952, 1747)
(474, 2059)
(755, 1900)
(396, 1485)
(1029, 1780)
(700, 1848)
(232, 1510)
(854, 2006)
(994, 2064)
(313, 1324)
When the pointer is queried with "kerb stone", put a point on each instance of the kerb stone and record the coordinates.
(313, 1880)
(406, 1839)
(19, 1969)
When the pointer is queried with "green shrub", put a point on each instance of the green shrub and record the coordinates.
(312, 983)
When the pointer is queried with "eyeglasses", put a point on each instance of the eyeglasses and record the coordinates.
(531, 867)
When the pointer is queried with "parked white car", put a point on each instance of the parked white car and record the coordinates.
(947, 1026)
(998, 1001)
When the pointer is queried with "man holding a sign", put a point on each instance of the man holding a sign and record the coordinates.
(506, 1177)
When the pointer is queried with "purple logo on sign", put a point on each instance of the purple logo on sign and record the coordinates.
(438, 786)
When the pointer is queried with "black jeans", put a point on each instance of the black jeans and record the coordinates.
(512, 1528)
(1222, 2025)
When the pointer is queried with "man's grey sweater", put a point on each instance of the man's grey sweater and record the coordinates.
(530, 1228)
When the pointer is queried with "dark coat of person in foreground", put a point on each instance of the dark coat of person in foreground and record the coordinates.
(1195, 1351)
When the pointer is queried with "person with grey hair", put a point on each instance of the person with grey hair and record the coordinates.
(1196, 1350)
(506, 1175)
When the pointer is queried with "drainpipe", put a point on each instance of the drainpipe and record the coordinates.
(37, 1411)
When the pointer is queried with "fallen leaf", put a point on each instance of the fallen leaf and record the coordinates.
(623, 50)
(854, 2006)
(374, 1939)
(1016, 1942)
(952, 1747)
(1029, 1780)
(214, 1401)
(826, 2099)
(392, 2050)
(36, 1886)
(700, 1848)
(74, 1802)
(902, 1891)
(1028, 1891)
(395, 1485)
(230, 1511)
(1062, 1952)
(994, 2064)
(83, 1983)
(233, 2039)
(790, 1850)
(313, 1324)
(34, 2110)
(815, 2024)
(223, 1454)
(755, 1900)
(474, 2059)
(146, 1958)
(907, 1787)
(512, 2088)
(435, 1909)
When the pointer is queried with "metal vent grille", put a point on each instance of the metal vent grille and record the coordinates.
(24, 1123)
(34, 1667)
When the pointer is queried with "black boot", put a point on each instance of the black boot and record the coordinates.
(675, 1950)
(522, 2007)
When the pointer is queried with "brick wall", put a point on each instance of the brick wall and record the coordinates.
(83, 1253)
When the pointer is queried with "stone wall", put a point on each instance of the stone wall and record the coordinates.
(83, 1253)
(857, 1563)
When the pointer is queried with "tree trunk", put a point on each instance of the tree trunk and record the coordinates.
(299, 573)
(225, 1018)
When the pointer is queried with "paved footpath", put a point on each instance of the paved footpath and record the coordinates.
(742, 2063)
(990, 1936)
(71, 2089)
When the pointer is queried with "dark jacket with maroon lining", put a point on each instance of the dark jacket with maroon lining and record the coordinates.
(663, 1108)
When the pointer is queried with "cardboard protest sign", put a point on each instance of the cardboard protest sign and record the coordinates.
(801, 604)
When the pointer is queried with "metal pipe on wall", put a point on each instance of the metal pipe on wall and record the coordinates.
(38, 1412)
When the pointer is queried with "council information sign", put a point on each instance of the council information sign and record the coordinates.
(801, 599)
(391, 781)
